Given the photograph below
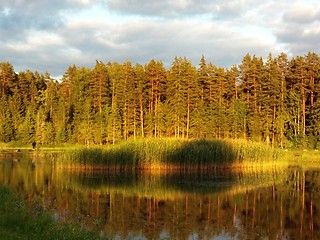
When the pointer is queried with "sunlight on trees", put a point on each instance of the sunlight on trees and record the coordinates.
(275, 101)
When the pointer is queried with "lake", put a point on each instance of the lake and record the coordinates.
(209, 205)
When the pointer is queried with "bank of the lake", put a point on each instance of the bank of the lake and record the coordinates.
(168, 154)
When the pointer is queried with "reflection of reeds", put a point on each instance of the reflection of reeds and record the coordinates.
(168, 186)
(171, 154)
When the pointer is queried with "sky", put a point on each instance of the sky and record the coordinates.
(51, 35)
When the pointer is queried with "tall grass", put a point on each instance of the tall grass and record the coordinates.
(254, 154)
(17, 221)
(170, 154)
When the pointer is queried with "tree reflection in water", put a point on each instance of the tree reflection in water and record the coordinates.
(239, 205)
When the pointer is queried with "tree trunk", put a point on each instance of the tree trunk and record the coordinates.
(141, 115)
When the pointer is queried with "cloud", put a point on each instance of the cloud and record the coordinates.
(154, 8)
(302, 14)
(82, 43)
(29, 33)
(52, 35)
(298, 30)
(181, 8)
(18, 16)
(141, 41)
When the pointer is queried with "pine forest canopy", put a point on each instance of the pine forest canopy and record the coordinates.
(276, 101)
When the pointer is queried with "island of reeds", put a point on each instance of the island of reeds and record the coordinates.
(172, 154)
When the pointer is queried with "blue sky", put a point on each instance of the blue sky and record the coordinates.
(46, 35)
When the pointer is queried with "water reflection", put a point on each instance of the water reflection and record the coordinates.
(222, 205)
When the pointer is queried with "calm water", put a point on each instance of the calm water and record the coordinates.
(219, 205)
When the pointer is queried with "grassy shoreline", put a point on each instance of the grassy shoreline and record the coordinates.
(17, 221)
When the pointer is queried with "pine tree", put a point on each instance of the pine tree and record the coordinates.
(85, 128)
(100, 86)
(313, 96)
(217, 101)
(129, 99)
(15, 104)
(115, 114)
(114, 131)
(251, 69)
(7, 78)
(142, 94)
(270, 101)
(202, 114)
(155, 75)
(40, 127)
(61, 122)
(296, 101)
(231, 97)
(7, 132)
(26, 130)
(180, 98)
(203, 75)
(192, 93)
(75, 89)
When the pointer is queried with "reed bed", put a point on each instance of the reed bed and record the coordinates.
(171, 154)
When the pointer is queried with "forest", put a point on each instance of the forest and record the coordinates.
(275, 101)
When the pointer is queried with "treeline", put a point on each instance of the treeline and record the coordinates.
(276, 101)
